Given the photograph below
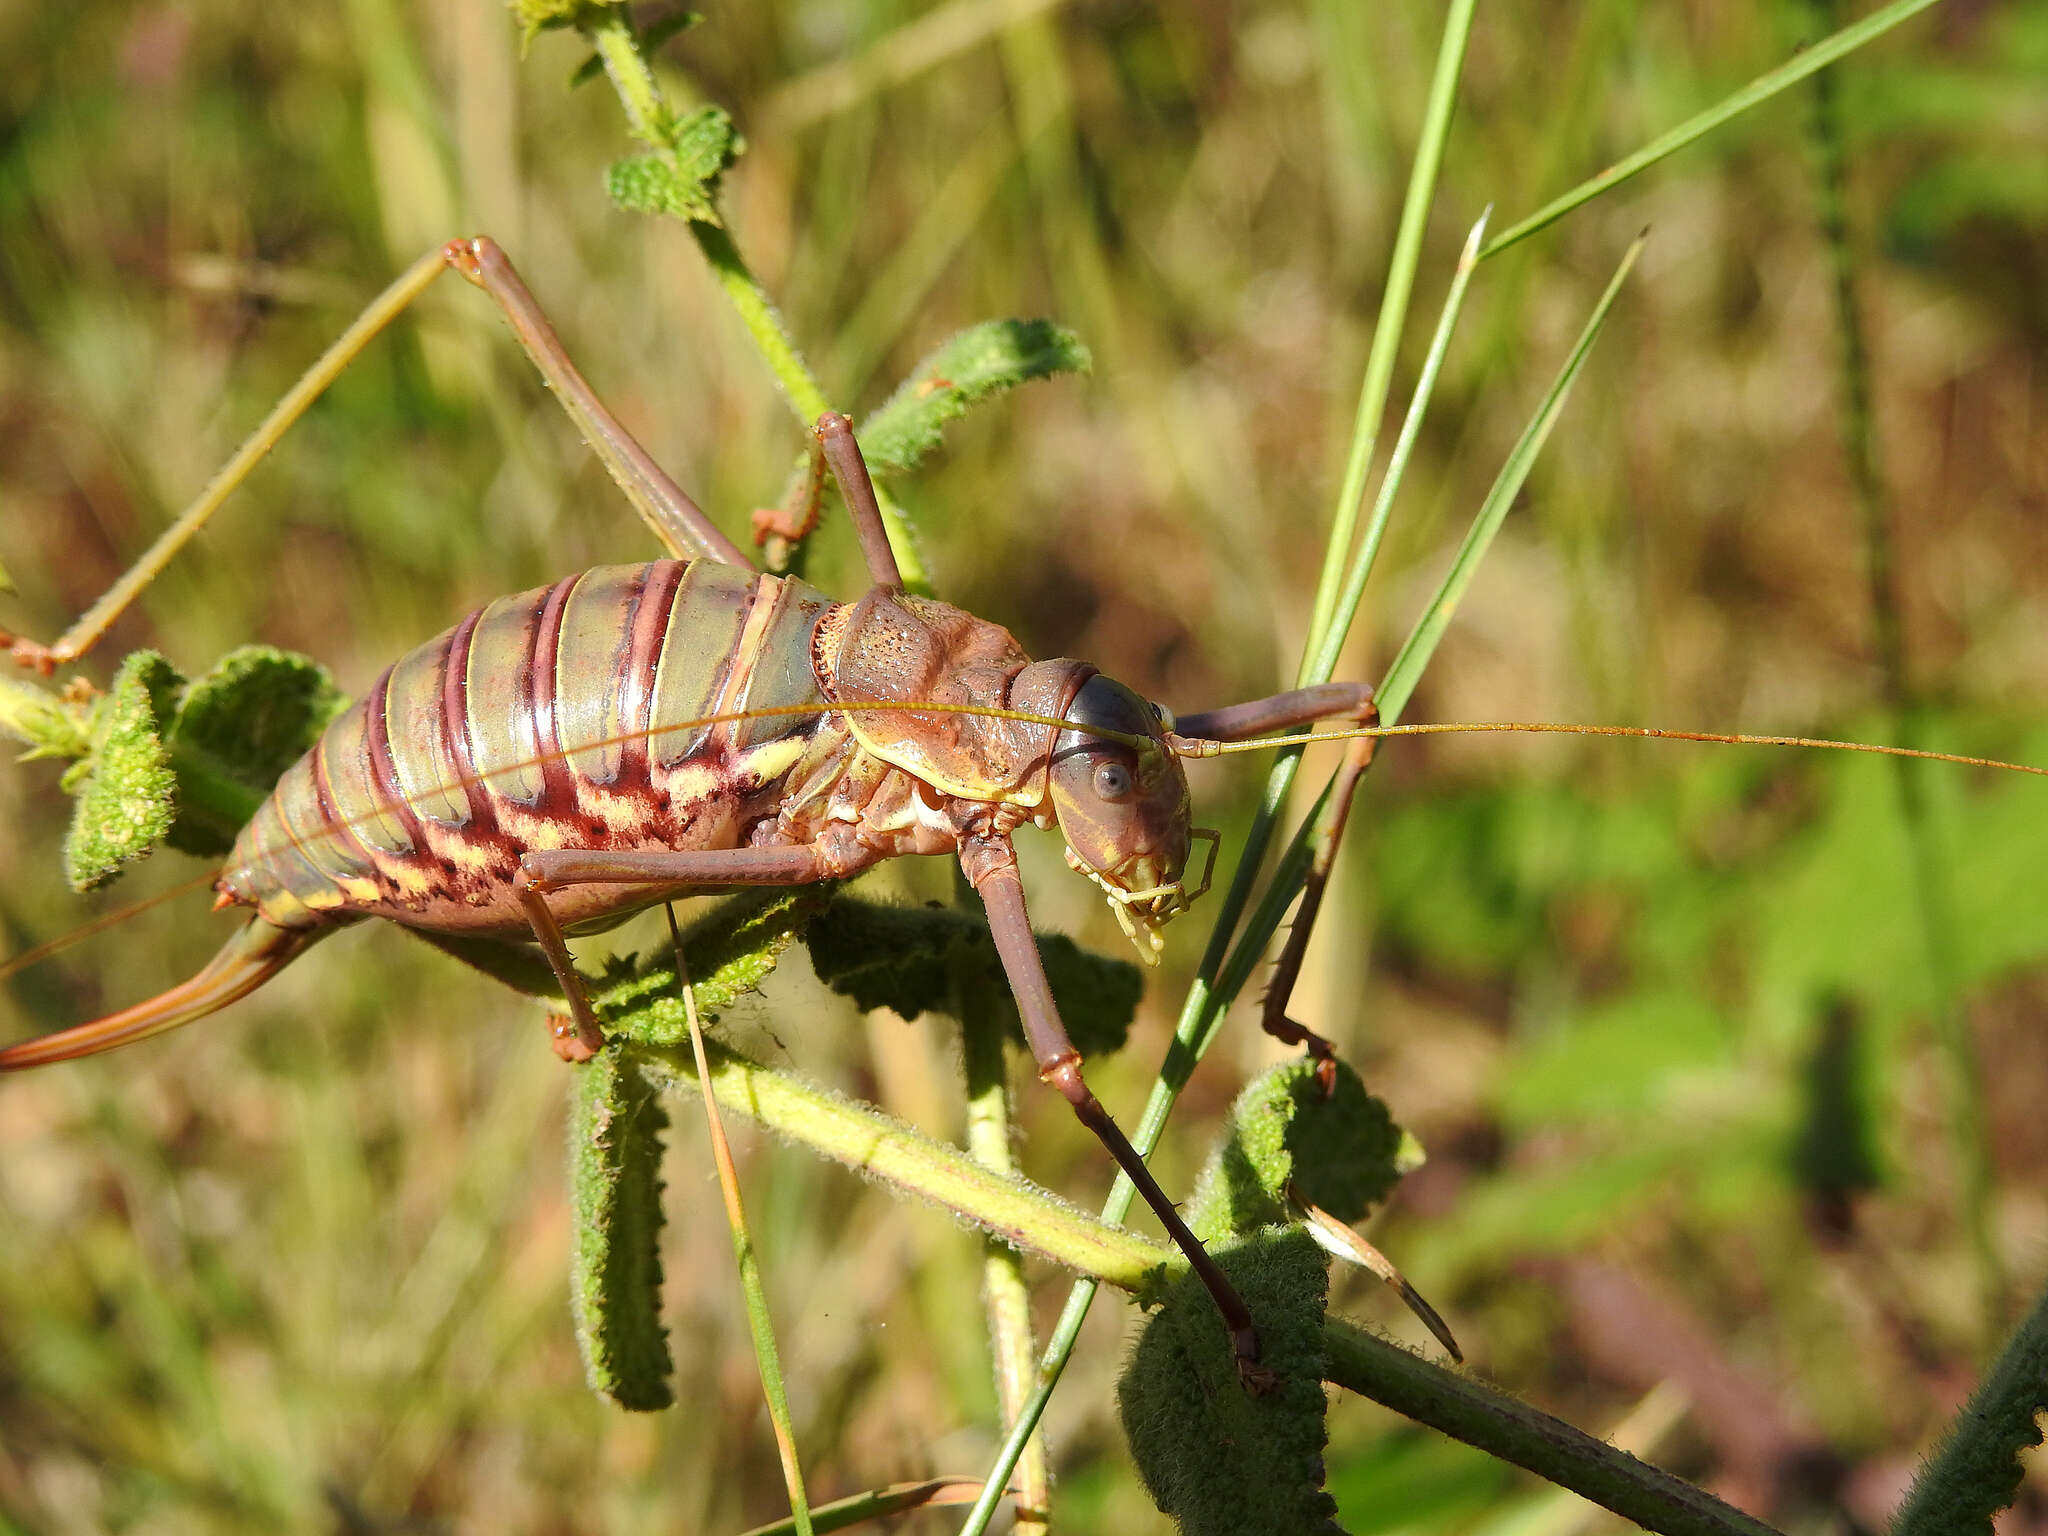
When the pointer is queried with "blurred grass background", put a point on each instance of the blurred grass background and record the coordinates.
(1659, 1013)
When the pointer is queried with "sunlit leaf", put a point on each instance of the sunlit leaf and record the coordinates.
(981, 361)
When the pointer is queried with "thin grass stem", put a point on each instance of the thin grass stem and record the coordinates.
(1398, 686)
(1323, 664)
(1392, 321)
(984, 1064)
(766, 1356)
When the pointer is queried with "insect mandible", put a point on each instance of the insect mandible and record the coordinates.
(566, 756)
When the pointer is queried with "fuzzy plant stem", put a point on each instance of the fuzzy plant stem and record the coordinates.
(653, 122)
(1468, 1410)
(1976, 1470)
(871, 1143)
(1008, 1300)
(1029, 1218)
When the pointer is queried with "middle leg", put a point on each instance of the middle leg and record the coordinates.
(542, 871)
(991, 867)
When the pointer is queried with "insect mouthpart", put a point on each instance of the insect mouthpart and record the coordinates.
(1143, 912)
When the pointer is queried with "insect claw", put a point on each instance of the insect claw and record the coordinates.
(32, 654)
(570, 1042)
(465, 257)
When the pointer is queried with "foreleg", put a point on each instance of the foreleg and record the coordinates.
(991, 866)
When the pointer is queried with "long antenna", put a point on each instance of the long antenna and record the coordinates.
(1194, 747)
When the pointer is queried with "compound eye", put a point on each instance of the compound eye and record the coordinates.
(1161, 713)
(1113, 781)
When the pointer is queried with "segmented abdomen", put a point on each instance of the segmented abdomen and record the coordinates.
(566, 716)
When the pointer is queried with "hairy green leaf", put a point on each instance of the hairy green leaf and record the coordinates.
(237, 730)
(127, 794)
(912, 959)
(1215, 1456)
(1342, 1151)
(980, 361)
(731, 952)
(167, 762)
(615, 1182)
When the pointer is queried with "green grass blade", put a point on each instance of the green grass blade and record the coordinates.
(1759, 90)
(1387, 329)
(1321, 664)
(1399, 684)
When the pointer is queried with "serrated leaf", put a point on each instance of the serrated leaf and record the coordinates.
(1216, 1457)
(615, 1180)
(127, 795)
(650, 184)
(236, 732)
(704, 143)
(978, 362)
(683, 182)
(911, 959)
(1343, 1152)
(885, 956)
(1977, 1469)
